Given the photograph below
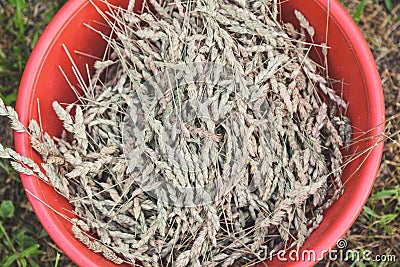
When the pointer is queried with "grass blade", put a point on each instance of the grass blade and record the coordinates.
(359, 11)
(389, 5)
(10, 260)
(57, 260)
(371, 212)
(33, 250)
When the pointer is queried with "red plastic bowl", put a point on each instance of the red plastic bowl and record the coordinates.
(349, 59)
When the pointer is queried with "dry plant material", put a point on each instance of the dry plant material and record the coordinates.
(274, 144)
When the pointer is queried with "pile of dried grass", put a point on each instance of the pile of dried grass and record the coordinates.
(213, 139)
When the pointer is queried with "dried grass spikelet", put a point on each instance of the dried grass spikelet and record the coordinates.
(95, 246)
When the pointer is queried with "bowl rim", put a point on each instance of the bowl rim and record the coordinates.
(51, 222)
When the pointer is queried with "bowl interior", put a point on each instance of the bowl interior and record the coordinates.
(349, 60)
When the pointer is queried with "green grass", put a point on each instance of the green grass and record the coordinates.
(389, 5)
(20, 35)
(359, 11)
(383, 216)
(21, 242)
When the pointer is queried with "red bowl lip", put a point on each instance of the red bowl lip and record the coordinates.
(46, 216)
(376, 116)
(366, 63)
(35, 63)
